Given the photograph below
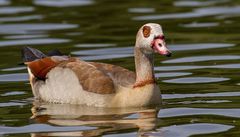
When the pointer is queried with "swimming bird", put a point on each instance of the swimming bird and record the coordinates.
(56, 78)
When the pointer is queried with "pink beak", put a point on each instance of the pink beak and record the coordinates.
(159, 46)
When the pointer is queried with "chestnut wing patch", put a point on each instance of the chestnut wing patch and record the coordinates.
(41, 67)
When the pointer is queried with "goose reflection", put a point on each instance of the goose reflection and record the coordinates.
(92, 121)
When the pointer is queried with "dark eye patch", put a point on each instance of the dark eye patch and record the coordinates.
(146, 31)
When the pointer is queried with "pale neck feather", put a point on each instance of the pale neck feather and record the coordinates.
(144, 65)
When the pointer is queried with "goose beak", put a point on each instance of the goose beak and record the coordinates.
(159, 46)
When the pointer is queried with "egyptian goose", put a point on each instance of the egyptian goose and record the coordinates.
(62, 79)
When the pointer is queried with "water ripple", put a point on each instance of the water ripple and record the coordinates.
(13, 93)
(201, 102)
(10, 104)
(200, 12)
(191, 80)
(175, 68)
(4, 2)
(187, 130)
(94, 45)
(171, 74)
(14, 69)
(176, 112)
(40, 128)
(24, 28)
(14, 77)
(202, 58)
(32, 41)
(15, 10)
(232, 66)
(221, 94)
(141, 10)
(21, 18)
(198, 46)
(101, 57)
(25, 36)
(63, 3)
(129, 50)
(188, 3)
(200, 25)
(121, 50)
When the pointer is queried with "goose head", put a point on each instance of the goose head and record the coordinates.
(150, 39)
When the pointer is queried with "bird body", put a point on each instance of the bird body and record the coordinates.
(63, 79)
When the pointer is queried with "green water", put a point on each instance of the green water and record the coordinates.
(199, 83)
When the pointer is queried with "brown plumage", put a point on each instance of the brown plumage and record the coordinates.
(91, 78)
(120, 75)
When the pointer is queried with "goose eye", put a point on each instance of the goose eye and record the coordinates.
(146, 31)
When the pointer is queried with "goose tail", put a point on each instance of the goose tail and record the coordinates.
(31, 54)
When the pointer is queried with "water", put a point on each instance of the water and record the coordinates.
(199, 83)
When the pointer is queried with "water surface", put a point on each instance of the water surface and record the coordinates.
(199, 83)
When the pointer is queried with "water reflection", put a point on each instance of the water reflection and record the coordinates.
(102, 120)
